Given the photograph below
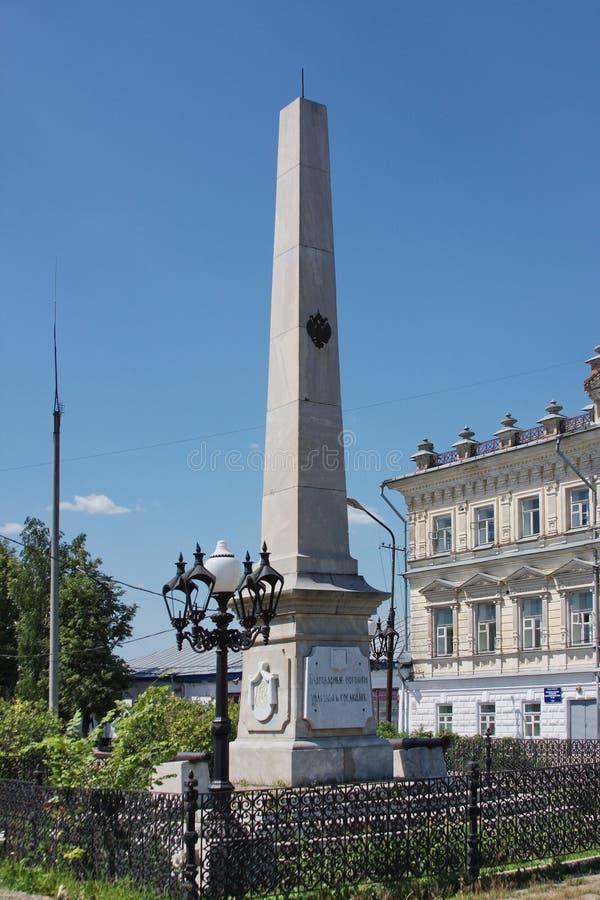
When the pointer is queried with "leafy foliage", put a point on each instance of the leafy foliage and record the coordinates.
(157, 727)
(387, 730)
(154, 729)
(30, 591)
(8, 623)
(94, 620)
(24, 726)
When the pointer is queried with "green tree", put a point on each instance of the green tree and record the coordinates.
(94, 620)
(30, 590)
(8, 622)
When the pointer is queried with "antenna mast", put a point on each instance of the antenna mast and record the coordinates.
(54, 542)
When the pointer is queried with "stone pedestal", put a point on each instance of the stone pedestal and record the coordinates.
(306, 712)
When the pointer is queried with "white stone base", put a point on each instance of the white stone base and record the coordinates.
(317, 761)
(420, 762)
(170, 777)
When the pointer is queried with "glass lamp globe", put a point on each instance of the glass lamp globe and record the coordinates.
(225, 568)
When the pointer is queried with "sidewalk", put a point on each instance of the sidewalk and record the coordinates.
(5, 894)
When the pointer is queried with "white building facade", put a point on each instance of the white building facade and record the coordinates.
(503, 575)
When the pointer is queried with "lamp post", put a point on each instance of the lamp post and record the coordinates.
(254, 600)
(384, 641)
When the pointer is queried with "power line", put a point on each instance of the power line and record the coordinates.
(85, 649)
(134, 587)
(205, 437)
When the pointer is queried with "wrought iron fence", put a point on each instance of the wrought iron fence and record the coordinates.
(292, 840)
(522, 754)
(317, 838)
(98, 833)
(539, 813)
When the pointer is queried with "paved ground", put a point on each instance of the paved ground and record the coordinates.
(573, 885)
(17, 895)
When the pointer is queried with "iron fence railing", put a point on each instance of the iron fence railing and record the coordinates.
(539, 814)
(521, 754)
(318, 838)
(98, 833)
(295, 840)
(525, 436)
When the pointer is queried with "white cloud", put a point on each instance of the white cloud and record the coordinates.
(358, 517)
(94, 505)
(10, 528)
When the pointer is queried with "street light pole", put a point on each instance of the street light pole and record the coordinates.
(389, 636)
(254, 600)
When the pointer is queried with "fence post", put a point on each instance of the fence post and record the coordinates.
(488, 751)
(473, 814)
(190, 837)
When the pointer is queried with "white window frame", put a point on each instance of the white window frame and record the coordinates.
(485, 526)
(443, 633)
(578, 511)
(487, 718)
(532, 719)
(532, 624)
(441, 537)
(444, 713)
(527, 517)
(484, 627)
(581, 618)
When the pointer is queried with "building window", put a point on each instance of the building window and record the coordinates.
(484, 525)
(532, 715)
(442, 534)
(444, 631)
(580, 617)
(531, 630)
(444, 717)
(530, 516)
(487, 718)
(579, 507)
(486, 627)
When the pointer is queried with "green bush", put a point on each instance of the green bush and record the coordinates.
(154, 729)
(24, 726)
(387, 730)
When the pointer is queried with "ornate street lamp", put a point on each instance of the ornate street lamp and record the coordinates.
(384, 641)
(254, 600)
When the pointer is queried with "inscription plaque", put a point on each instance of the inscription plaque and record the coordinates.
(337, 688)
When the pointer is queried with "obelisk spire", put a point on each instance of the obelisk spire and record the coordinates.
(306, 712)
(304, 498)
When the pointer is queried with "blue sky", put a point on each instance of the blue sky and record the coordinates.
(139, 150)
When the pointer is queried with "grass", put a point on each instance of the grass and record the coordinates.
(535, 882)
(21, 876)
(555, 878)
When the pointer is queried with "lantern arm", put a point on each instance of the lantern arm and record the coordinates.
(200, 639)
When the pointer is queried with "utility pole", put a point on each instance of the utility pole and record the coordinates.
(595, 575)
(54, 541)
(404, 551)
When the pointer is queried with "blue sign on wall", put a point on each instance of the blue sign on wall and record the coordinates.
(552, 695)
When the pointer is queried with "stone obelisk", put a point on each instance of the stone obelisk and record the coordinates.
(306, 710)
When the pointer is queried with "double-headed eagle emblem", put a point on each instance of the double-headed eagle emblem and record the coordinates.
(319, 330)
